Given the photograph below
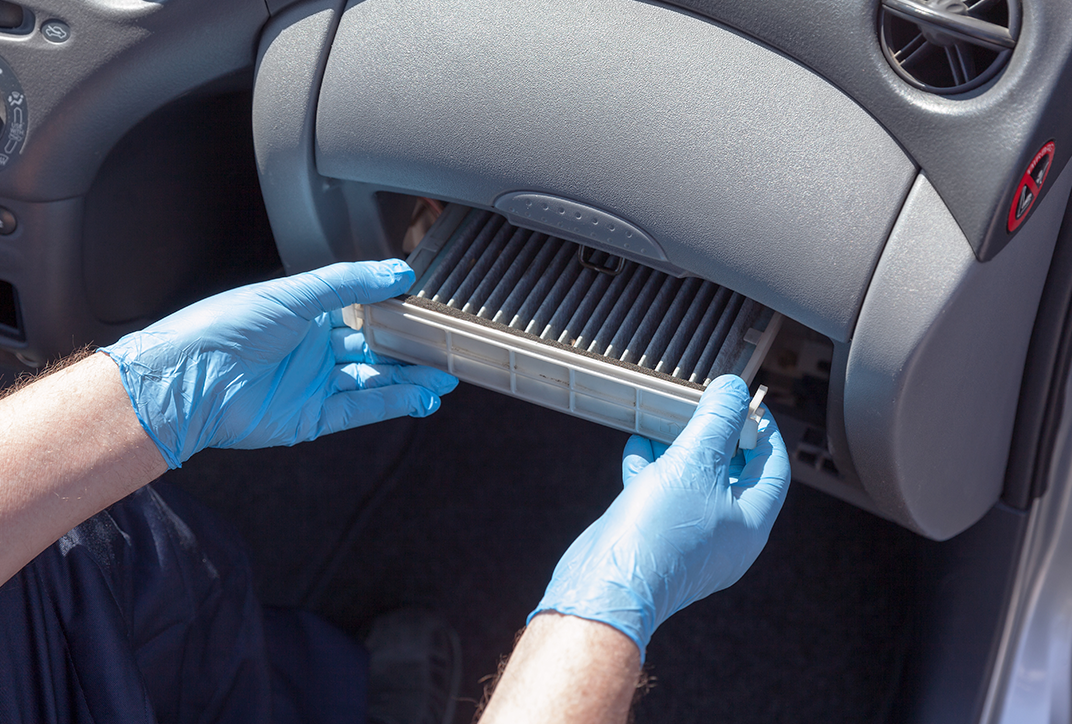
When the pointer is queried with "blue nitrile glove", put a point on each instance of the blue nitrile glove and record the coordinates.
(689, 522)
(271, 364)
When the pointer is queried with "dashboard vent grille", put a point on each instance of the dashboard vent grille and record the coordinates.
(948, 46)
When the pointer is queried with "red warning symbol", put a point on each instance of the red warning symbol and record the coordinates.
(1030, 185)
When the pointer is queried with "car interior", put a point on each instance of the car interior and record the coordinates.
(859, 205)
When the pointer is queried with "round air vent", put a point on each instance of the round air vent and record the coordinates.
(948, 46)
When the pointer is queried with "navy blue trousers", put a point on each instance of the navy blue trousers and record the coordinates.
(145, 613)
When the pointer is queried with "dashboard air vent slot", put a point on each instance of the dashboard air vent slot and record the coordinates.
(948, 46)
(565, 326)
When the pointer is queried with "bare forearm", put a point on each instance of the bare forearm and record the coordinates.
(567, 669)
(70, 445)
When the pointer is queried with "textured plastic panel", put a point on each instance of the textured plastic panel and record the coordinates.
(935, 365)
(744, 167)
(309, 218)
(56, 316)
(123, 60)
(514, 311)
(974, 147)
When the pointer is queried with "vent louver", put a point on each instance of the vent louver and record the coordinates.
(566, 326)
(948, 46)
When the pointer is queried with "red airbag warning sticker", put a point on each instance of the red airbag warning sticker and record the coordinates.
(1030, 186)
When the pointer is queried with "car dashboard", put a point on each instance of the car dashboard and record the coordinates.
(783, 153)
(887, 179)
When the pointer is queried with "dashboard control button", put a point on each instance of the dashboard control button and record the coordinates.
(1030, 186)
(56, 31)
(8, 223)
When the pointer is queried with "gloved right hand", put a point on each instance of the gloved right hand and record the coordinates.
(271, 364)
(689, 522)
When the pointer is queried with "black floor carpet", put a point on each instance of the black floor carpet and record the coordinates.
(467, 512)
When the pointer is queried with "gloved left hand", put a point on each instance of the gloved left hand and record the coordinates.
(271, 364)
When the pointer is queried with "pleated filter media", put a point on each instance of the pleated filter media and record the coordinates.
(566, 326)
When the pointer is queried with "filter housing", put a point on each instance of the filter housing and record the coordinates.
(567, 327)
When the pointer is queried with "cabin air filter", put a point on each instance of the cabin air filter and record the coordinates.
(565, 326)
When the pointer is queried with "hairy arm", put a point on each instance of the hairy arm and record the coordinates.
(690, 521)
(262, 365)
(567, 669)
(70, 446)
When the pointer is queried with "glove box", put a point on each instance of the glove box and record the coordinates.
(685, 148)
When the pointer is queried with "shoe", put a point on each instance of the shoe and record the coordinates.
(414, 668)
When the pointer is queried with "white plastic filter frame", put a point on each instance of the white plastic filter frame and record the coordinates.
(576, 384)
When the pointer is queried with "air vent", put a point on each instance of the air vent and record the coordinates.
(948, 46)
(568, 327)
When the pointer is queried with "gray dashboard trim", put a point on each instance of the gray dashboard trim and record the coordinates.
(936, 361)
(123, 61)
(745, 167)
(308, 214)
(973, 148)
